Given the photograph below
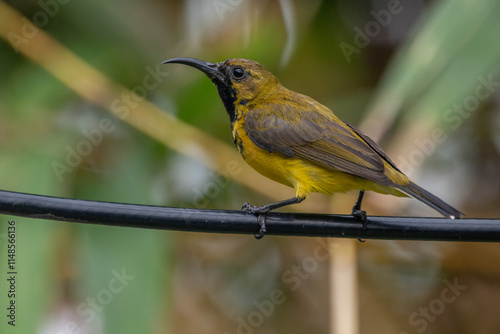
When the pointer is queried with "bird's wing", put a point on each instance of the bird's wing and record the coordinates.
(303, 130)
(374, 146)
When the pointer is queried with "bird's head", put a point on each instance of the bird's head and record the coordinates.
(238, 80)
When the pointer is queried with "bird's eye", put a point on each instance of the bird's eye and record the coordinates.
(238, 73)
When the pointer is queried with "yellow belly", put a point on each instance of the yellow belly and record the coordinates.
(306, 177)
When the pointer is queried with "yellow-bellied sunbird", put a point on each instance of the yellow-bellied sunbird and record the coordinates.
(295, 140)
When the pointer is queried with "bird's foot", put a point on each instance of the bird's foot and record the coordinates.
(261, 212)
(261, 219)
(360, 215)
(356, 209)
(256, 210)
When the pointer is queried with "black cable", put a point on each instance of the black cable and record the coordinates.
(225, 221)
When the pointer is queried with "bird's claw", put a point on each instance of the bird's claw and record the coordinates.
(361, 215)
(246, 207)
(256, 210)
(261, 212)
(262, 223)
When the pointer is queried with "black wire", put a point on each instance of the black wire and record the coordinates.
(226, 221)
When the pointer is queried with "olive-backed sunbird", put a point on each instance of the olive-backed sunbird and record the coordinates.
(295, 140)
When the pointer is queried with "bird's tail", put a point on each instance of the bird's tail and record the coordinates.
(413, 190)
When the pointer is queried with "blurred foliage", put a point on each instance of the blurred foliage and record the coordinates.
(401, 81)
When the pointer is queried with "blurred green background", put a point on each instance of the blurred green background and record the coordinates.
(86, 112)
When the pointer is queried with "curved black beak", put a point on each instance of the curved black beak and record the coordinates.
(210, 69)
